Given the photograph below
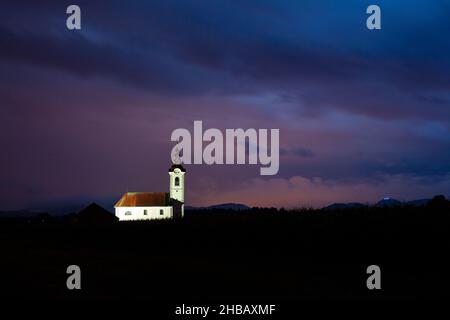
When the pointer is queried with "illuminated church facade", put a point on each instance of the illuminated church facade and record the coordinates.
(155, 205)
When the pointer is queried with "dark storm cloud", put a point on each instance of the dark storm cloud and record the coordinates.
(180, 47)
(85, 58)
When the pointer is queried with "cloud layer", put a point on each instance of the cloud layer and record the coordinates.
(89, 113)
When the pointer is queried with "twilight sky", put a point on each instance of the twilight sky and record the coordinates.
(86, 115)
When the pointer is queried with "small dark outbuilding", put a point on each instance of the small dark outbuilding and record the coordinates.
(94, 214)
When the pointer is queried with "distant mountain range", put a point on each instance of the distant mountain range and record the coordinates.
(388, 202)
(338, 206)
(384, 203)
(418, 203)
(74, 208)
(19, 214)
(223, 206)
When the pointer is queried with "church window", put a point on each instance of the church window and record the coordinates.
(128, 213)
(161, 212)
(177, 181)
(145, 212)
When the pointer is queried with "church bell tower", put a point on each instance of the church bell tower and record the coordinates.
(176, 182)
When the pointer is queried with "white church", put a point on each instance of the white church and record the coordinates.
(155, 205)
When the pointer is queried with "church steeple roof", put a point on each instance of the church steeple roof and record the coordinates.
(177, 166)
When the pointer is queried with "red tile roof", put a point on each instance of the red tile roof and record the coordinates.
(143, 199)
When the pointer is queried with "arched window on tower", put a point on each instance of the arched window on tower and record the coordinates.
(177, 181)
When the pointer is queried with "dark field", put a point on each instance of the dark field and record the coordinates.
(258, 255)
